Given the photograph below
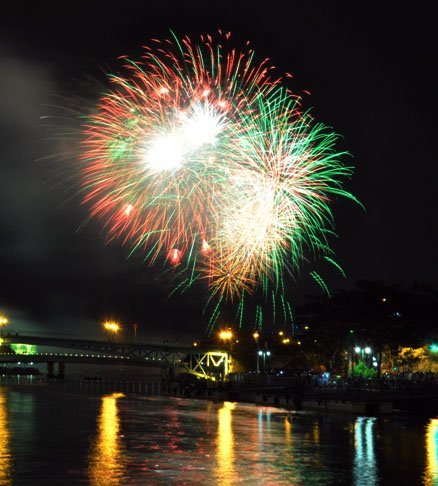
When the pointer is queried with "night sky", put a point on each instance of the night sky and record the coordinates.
(370, 68)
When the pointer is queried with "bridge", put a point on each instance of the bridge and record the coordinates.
(214, 365)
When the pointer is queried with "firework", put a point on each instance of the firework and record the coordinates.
(156, 148)
(287, 168)
(199, 155)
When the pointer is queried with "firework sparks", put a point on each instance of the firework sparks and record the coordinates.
(199, 155)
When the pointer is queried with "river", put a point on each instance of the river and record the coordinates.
(52, 436)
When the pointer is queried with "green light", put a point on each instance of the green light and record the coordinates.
(24, 348)
(433, 348)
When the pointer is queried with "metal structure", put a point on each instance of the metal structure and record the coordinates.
(203, 363)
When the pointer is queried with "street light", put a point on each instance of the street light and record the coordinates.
(226, 335)
(3, 321)
(362, 352)
(264, 354)
(256, 336)
(112, 327)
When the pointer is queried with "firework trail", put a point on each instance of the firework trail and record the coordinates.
(197, 154)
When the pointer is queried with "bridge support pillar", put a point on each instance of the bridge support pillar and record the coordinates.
(61, 370)
(50, 369)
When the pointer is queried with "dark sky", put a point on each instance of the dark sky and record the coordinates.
(371, 71)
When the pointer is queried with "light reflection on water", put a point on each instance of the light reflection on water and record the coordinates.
(114, 440)
(225, 445)
(5, 451)
(106, 467)
(365, 469)
(431, 473)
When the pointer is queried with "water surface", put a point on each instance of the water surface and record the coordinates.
(50, 436)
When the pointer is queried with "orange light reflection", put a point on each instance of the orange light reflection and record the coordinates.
(225, 445)
(105, 467)
(5, 451)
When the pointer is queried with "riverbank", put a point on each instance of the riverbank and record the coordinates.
(356, 402)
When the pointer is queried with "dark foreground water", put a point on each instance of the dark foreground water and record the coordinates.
(58, 437)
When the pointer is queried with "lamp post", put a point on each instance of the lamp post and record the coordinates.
(226, 335)
(256, 336)
(112, 328)
(362, 352)
(264, 354)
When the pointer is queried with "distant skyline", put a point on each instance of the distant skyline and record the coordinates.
(369, 69)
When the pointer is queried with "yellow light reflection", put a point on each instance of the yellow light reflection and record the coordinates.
(105, 457)
(288, 430)
(316, 432)
(5, 451)
(431, 474)
(225, 445)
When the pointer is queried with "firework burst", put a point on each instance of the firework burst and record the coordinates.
(197, 154)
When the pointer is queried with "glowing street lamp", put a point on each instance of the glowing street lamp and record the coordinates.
(256, 336)
(226, 335)
(362, 352)
(264, 354)
(112, 328)
(3, 321)
(433, 348)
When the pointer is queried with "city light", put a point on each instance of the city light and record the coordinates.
(112, 327)
(433, 348)
(286, 341)
(3, 320)
(263, 355)
(366, 350)
(226, 335)
(256, 335)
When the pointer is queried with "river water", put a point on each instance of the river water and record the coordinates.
(58, 437)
